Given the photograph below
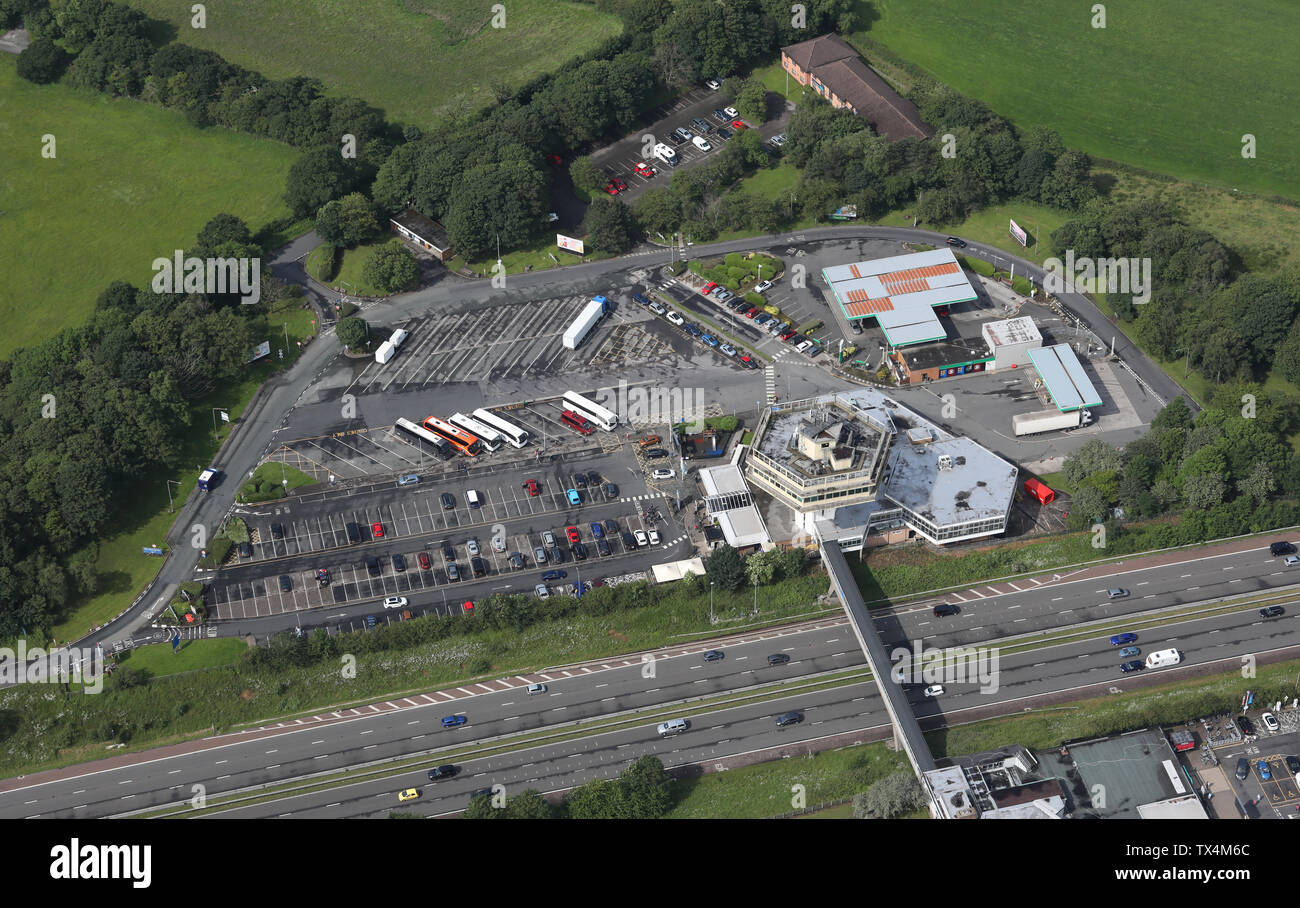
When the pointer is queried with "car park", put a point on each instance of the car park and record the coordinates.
(399, 562)
(750, 311)
(395, 602)
(701, 143)
(723, 295)
(377, 530)
(471, 545)
(946, 609)
(661, 473)
(1269, 721)
(1123, 639)
(1272, 611)
(277, 531)
(684, 133)
(574, 497)
(611, 189)
(286, 584)
(453, 572)
(804, 346)
(1129, 652)
(778, 659)
(1135, 666)
(790, 718)
(453, 721)
(787, 334)
(409, 479)
(446, 771)
(372, 565)
(447, 501)
(934, 690)
(641, 538)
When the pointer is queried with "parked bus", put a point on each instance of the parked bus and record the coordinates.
(462, 441)
(416, 435)
(489, 439)
(507, 430)
(592, 410)
(576, 423)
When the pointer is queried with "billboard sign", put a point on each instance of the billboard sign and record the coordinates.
(569, 243)
(1021, 237)
(262, 349)
(845, 213)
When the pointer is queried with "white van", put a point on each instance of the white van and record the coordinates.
(471, 497)
(1164, 657)
(399, 335)
(672, 727)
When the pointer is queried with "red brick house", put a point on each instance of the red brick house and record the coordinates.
(833, 69)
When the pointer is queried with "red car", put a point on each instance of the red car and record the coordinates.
(738, 125)
(555, 159)
(468, 605)
(619, 184)
(786, 335)
(425, 564)
(751, 312)
(573, 534)
(377, 529)
(531, 487)
(611, 188)
(644, 169)
(709, 287)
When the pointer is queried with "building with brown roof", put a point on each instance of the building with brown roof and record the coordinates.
(833, 69)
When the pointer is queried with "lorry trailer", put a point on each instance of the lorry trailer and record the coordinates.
(1164, 657)
(592, 313)
(1048, 421)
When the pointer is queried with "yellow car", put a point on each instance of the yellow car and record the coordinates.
(409, 795)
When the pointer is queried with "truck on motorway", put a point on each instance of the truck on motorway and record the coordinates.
(665, 153)
(593, 312)
(208, 478)
(1048, 421)
(385, 352)
(1164, 657)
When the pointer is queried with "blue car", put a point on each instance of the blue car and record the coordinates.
(574, 497)
(597, 531)
(640, 298)
(692, 330)
(1129, 651)
(554, 575)
(1121, 639)
(453, 721)
(709, 340)
(1134, 666)
(1264, 774)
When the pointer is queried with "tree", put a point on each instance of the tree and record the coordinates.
(609, 224)
(647, 787)
(42, 62)
(585, 176)
(760, 568)
(529, 805)
(599, 799)
(1258, 484)
(352, 332)
(724, 568)
(751, 101)
(348, 221)
(891, 796)
(391, 267)
(320, 175)
(1203, 491)
(1088, 506)
(1093, 457)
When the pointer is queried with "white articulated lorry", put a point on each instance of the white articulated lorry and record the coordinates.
(593, 312)
(1049, 421)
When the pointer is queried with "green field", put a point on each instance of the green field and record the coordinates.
(1168, 87)
(419, 60)
(129, 183)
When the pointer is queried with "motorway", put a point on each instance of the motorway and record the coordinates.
(1171, 592)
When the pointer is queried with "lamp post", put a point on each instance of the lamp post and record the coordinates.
(169, 493)
(1186, 360)
(710, 602)
(225, 417)
(755, 595)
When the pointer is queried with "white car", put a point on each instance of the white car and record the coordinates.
(641, 538)
(934, 690)
(662, 474)
(675, 318)
(763, 287)
(778, 140)
(712, 84)
(804, 347)
(395, 602)
(552, 218)
(498, 544)
(654, 537)
(778, 328)
(1292, 559)
(471, 545)
(727, 350)
(731, 112)
(1270, 721)
(701, 143)
(536, 689)
(657, 309)
(542, 591)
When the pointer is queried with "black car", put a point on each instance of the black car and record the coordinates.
(723, 133)
(1135, 666)
(277, 531)
(953, 241)
(323, 577)
(399, 563)
(593, 478)
(778, 659)
(285, 583)
(579, 551)
(602, 546)
(1282, 548)
(1293, 764)
(372, 565)
(714, 655)
(245, 550)
(480, 793)
(611, 527)
(1273, 611)
(479, 566)
(453, 572)
(1243, 769)
(655, 453)
(790, 718)
(446, 771)
(448, 550)
(1244, 724)
(448, 503)
(675, 139)
(629, 541)
(942, 611)
(580, 480)
(611, 490)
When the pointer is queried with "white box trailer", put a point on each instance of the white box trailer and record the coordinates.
(385, 352)
(1164, 657)
(586, 320)
(666, 154)
(1048, 421)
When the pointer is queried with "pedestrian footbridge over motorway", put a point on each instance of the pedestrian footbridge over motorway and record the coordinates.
(907, 731)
